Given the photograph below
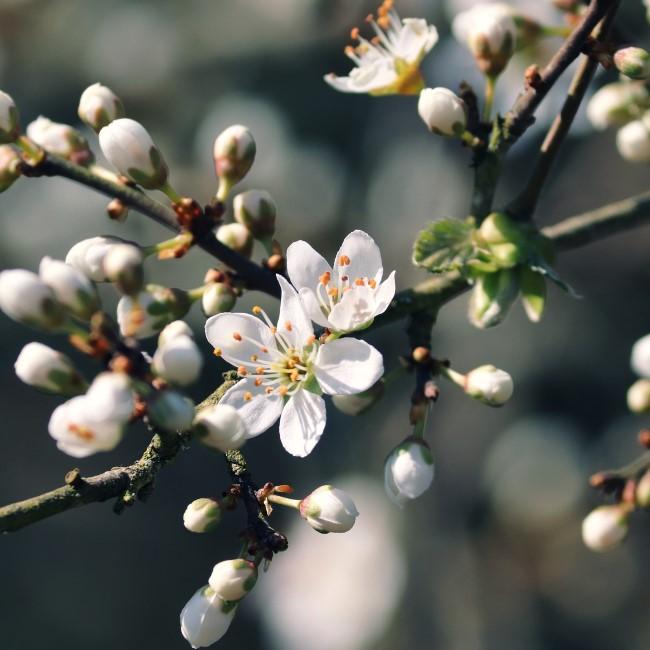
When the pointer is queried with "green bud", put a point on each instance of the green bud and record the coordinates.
(492, 297)
(533, 293)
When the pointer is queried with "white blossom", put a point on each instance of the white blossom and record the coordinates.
(329, 510)
(60, 139)
(233, 579)
(617, 103)
(171, 411)
(633, 140)
(442, 111)
(221, 427)
(605, 527)
(408, 471)
(217, 298)
(489, 385)
(347, 295)
(389, 63)
(72, 287)
(640, 358)
(202, 515)
(28, 300)
(129, 148)
(174, 329)
(99, 106)
(88, 255)
(9, 125)
(178, 361)
(285, 369)
(206, 618)
(42, 367)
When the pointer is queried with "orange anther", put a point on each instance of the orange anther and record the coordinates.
(248, 396)
(333, 292)
(325, 278)
(311, 340)
(264, 349)
(344, 260)
(354, 33)
(258, 381)
(256, 310)
(268, 390)
(359, 282)
(282, 390)
(241, 371)
(259, 370)
(288, 326)
(236, 336)
(254, 358)
(372, 284)
(217, 352)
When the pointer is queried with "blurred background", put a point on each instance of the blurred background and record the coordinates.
(491, 556)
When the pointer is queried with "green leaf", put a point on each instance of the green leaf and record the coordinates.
(445, 245)
(541, 266)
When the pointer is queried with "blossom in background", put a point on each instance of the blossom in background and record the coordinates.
(389, 63)
(285, 370)
(347, 296)
(206, 618)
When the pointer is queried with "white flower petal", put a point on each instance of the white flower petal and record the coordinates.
(312, 307)
(293, 324)
(415, 39)
(373, 76)
(305, 265)
(239, 337)
(258, 413)
(347, 366)
(356, 308)
(384, 294)
(302, 423)
(364, 256)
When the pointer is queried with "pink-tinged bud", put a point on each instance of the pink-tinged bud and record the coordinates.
(60, 140)
(237, 237)
(233, 579)
(202, 516)
(443, 112)
(99, 106)
(605, 527)
(233, 153)
(206, 618)
(9, 166)
(329, 510)
(633, 62)
(256, 210)
(129, 148)
(217, 298)
(9, 121)
(221, 427)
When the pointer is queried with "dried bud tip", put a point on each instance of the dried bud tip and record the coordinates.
(275, 263)
(421, 354)
(117, 210)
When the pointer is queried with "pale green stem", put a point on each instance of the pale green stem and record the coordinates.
(453, 376)
(420, 426)
(173, 195)
(556, 30)
(183, 239)
(31, 149)
(197, 293)
(102, 172)
(284, 501)
(392, 375)
(490, 85)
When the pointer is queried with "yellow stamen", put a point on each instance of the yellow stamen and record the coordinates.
(283, 390)
(372, 284)
(294, 376)
(256, 310)
(333, 292)
(217, 352)
(254, 358)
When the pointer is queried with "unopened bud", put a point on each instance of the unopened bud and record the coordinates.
(171, 411)
(633, 62)
(129, 148)
(28, 300)
(617, 103)
(221, 427)
(42, 367)
(633, 140)
(233, 153)
(233, 579)
(9, 122)
(638, 396)
(408, 471)
(643, 490)
(504, 238)
(329, 510)
(217, 298)
(490, 385)
(202, 516)
(178, 361)
(442, 111)
(605, 527)
(9, 166)
(206, 618)
(359, 402)
(256, 210)
(117, 211)
(60, 140)
(640, 357)
(492, 296)
(123, 266)
(99, 106)
(88, 255)
(173, 330)
(237, 237)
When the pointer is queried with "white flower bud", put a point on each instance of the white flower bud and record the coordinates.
(605, 527)
(408, 471)
(442, 111)
(329, 510)
(202, 515)
(28, 300)
(490, 32)
(256, 210)
(88, 255)
(233, 153)
(80, 431)
(146, 313)
(237, 237)
(111, 396)
(489, 385)
(617, 103)
(99, 106)
(633, 62)
(129, 148)
(640, 358)
(217, 298)
(492, 296)
(72, 288)
(171, 411)
(60, 140)
(206, 618)
(233, 579)
(360, 402)
(42, 367)
(9, 166)
(123, 266)
(638, 396)
(9, 122)
(179, 361)
(633, 140)
(220, 426)
(174, 329)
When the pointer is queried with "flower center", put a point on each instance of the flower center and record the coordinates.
(329, 295)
